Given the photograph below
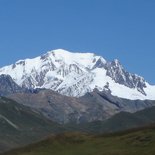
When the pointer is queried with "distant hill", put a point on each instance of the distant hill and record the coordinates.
(20, 125)
(119, 122)
(93, 106)
(133, 142)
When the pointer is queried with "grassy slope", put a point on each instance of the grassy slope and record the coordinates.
(138, 142)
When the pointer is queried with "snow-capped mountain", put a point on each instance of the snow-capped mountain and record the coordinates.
(75, 74)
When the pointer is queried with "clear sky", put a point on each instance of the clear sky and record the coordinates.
(122, 29)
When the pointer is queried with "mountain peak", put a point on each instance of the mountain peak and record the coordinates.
(84, 59)
(60, 51)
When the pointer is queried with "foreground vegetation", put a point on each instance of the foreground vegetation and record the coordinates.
(134, 142)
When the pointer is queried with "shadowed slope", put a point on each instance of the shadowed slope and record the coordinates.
(19, 125)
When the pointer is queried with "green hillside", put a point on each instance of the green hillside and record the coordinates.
(136, 142)
(20, 125)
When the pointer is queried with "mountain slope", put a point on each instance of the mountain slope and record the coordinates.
(19, 125)
(75, 74)
(93, 106)
(65, 109)
(119, 122)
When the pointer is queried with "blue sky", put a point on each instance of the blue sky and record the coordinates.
(122, 29)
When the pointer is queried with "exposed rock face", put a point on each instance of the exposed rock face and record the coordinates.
(91, 107)
(8, 86)
(116, 71)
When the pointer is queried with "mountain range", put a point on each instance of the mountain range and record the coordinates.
(75, 87)
(93, 106)
(75, 74)
(62, 92)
